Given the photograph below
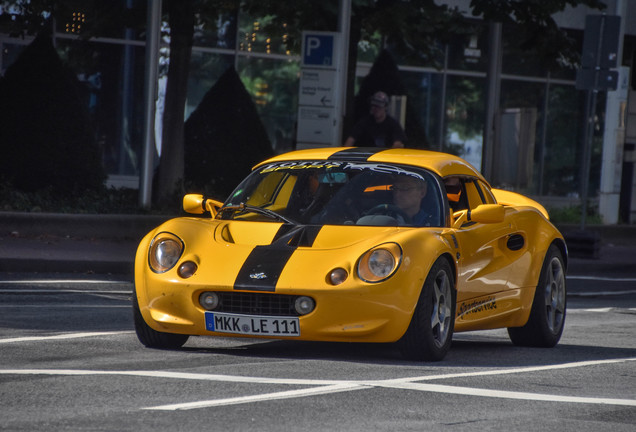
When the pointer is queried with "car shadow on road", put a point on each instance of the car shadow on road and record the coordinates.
(464, 352)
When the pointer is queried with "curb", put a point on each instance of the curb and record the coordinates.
(24, 265)
(621, 234)
(111, 226)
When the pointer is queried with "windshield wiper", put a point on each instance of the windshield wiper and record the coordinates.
(246, 208)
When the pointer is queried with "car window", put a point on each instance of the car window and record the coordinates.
(341, 193)
(487, 193)
(269, 190)
(467, 193)
(455, 193)
(473, 194)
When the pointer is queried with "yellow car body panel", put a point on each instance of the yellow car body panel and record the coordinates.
(353, 311)
(496, 259)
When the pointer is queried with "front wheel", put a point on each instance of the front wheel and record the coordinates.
(547, 316)
(151, 337)
(430, 332)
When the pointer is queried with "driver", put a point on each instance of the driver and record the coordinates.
(408, 193)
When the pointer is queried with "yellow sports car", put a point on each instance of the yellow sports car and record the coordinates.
(355, 245)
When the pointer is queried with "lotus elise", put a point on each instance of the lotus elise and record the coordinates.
(355, 245)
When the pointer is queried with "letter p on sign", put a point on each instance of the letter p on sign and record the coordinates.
(318, 49)
(313, 43)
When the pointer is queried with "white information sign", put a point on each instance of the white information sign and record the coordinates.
(318, 99)
(317, 87)
(318, 125)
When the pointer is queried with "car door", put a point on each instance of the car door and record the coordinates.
(483, 259)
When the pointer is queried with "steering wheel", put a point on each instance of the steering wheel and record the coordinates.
(390, 210)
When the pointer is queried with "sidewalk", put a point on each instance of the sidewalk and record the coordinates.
(102, 244)
(61, 243)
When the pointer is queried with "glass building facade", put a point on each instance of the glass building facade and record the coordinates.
(540, 118)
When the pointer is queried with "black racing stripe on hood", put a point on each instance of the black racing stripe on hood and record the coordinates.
(264, 265)
(358, 154)
(262, 268)
(303, 235)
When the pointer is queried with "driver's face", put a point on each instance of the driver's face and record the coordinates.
(408, 193)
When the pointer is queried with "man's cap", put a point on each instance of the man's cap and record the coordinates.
(379, 99)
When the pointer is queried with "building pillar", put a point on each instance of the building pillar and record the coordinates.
(613, 145)
(614, 134)
(153, 33)
(492, 98)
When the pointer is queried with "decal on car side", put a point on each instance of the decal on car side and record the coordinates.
(476, 306)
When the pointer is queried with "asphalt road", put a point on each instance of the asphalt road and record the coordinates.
(69, 360)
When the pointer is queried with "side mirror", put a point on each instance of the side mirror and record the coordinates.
(197, 204)
(485, 213)
(488, 213)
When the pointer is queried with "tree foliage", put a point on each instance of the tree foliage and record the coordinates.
(534, 26)
(411, 29)
(46, 138)
(224, 138)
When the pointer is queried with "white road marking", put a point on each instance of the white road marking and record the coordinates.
(600, 293)
(501, 394)
(61, 291)
(601, 278)
(335, 386)
(261, 397)
(601, 310)
(63, 306)
(62, 336)
(517, 370)
(61, 281)
(175, 375)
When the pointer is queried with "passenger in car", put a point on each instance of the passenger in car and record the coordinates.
(408, 195)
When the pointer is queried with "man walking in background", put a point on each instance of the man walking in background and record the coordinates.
(378, 129)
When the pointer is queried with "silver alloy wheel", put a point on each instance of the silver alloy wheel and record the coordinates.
(554, 292)
(442, 310)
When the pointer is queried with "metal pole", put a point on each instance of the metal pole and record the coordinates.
(441, 139)
(590, 111)
(544, 134)
(492, 98)
(344, 26)
(589, 135)
(153, 33)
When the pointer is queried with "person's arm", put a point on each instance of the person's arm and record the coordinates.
(399, 137)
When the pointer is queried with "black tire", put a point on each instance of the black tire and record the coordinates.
(152, 338)
(547, 316)
(430, 332)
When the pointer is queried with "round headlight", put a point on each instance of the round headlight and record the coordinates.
(379, 263)
(165, 251)
(304, 305)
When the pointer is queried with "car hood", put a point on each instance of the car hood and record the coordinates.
(281, 255)
(299, 236)
(268, 256)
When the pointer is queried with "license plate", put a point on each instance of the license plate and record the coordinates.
(251, 325)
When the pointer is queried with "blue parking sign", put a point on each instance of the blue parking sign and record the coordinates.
(318, 49)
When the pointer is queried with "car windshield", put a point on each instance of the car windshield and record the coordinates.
(337, 193)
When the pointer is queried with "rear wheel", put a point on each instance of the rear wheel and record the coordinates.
(430, 332)
(547, 316)
(152, 338)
